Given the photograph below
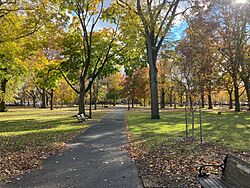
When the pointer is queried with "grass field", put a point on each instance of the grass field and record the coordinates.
(28, 127)
(229, 129)
(27, 136)
(165, 158)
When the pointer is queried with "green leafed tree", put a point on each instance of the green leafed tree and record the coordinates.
(88, 52)
(157, 18)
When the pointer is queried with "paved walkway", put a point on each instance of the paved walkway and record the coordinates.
(94, 160)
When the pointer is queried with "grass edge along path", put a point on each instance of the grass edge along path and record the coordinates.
(28, 136)
(165, 158)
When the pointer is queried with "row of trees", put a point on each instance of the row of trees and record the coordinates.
(43, 43)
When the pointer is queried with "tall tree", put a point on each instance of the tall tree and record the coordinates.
(10, 67)
(94, 49)
(156, 17)
(233, 30)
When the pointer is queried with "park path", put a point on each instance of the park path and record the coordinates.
(95, 160)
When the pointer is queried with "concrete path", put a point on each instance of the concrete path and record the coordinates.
(95, 160)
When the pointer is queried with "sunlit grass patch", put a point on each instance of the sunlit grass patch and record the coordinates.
(21, 128)
(27, 136)
(229, 129)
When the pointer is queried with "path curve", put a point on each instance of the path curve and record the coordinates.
(95, 160)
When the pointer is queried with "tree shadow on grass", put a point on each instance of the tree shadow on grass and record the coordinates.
(34, 124)
(229, 128)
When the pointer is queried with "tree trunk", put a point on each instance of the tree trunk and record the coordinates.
(175, 101)
(236, 97)
(186, 117)
(191, 102)
(152, 56)
(248, 98)
(181, 100)
(230, 93)
(171, 97)
(82, 97)
(162, 98)
(132, 102)
(47, 100)
(95, 105)
(3, 89)
(247, 87)
(144, 102)
(51, 99)
(192, 108)
(202, 100)
(43, 95)
(34, 100)
(210, 104)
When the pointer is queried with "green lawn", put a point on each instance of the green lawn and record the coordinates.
(229, 129)
(22, 128)
(27, 136)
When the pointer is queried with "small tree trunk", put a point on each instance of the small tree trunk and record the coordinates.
(132, 102)
(47, 100)
(192, 122)
(51, 99)
(181, 100)
(236, 97)
(174, 101)
(200, 122)
(247, 87)
(171, 98)
(248, 98)
(95, 105)
(230, 93)
(2, 100)
(186, 118)
(34, 100)
(191, 103)
(82, 97)
(202, 100)
(43, 95)
(210, 105)
(144, 102)
(162, 98)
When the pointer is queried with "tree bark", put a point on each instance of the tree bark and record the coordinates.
(175, 105)
(181, 100)
(43, 95)
(202, 100)
(236, 97)
(152, 56)
(82, 97)
(210, 104)
(34, 101)
(51, 99)
(247, 87)
(230, 93)
(162, 98)
(3, 89)
(171, 97)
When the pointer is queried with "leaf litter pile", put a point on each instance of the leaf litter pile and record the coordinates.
(176, 165)
(16, 163)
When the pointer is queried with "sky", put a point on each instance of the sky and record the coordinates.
(176, 31)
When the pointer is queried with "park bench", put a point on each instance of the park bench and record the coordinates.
(81, 117)
(235, 174)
